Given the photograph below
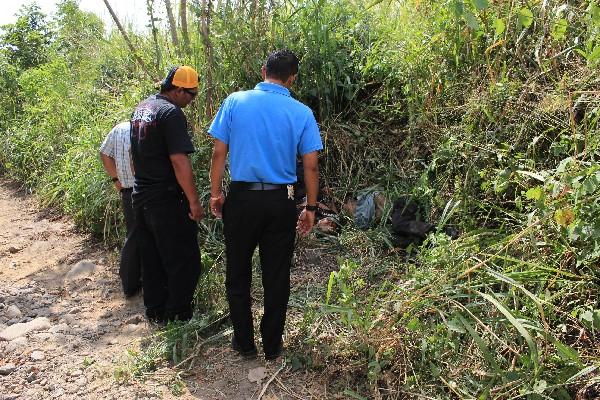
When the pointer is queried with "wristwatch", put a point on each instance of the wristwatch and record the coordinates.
(115, 179)
(312, 208)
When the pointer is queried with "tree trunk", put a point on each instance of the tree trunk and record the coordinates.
(128, 41)
(172, 25)
(184, 26)
(150, 8)
(205, 31)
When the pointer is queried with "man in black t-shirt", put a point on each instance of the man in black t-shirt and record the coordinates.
(165, 199)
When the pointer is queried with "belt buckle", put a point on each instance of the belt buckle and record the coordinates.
(290, 190)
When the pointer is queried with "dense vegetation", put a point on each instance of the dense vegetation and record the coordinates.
(486, 113)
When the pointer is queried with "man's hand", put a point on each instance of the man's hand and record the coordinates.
(306, 220)
(196, 211)
(216, 205)
(118, 185)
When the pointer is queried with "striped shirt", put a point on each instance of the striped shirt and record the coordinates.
(117, 146)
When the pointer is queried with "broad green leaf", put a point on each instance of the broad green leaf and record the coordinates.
(590, 184)
(533, 175)
(540, 386)
(562, 166)
(471, 20)
(525, 17)
(594, 55)
(564, 217)
(455, 325)
(499, 27)
(414, 324)
(559, 29)
(535, 193)
(457, 8)
(595, 13)
(480, 4)
(566, 352)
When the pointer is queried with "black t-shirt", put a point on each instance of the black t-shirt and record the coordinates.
(158, 129)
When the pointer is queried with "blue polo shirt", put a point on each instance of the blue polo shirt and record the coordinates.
(265, 129)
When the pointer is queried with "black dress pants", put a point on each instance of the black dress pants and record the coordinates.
(267, 219)
(130, 266)
(171, 259)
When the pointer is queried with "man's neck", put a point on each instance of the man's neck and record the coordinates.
(276, 82)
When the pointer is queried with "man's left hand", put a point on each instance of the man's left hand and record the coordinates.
(216, 205)
(306, 220)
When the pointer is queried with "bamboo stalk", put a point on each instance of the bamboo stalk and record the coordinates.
(150, 7)
(128, 41)
(205, 32)
(172, 24)
(184, 26)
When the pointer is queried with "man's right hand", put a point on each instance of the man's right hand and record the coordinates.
(216, 205)
(196, 211)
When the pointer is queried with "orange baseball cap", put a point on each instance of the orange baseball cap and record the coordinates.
(182, 76)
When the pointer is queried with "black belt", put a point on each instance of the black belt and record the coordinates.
(126, 190)
(239, 185)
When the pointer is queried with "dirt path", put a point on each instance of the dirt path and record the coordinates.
(65, 328)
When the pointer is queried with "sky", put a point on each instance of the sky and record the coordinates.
(128, 11)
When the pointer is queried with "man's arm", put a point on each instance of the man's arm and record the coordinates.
(185, 177)
(217, 169)
(306, 220)
(110, 166)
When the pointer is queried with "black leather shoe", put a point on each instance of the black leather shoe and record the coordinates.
(270, 356)
(247, 354)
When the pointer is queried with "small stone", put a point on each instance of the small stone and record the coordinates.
(136, 319)
(81, 381)
(16, 344)
(71, 319)
(77, 372)
(31, 377)
(21, 329)
(13, 312)
(13, 250)
(131, 328)
(37, 355)
(257, 374)
(7, 369)
(59, 328)
(82, 269)
(74, 310)
(43, 336)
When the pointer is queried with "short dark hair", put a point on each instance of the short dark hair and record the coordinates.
(281, 64)
(167, 83)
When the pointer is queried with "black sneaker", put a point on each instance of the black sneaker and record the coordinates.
(270, 356)
(247, 354)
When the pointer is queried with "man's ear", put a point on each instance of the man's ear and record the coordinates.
(290, 80)
(263, 72)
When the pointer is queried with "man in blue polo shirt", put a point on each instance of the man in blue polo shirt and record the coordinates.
(263, 130)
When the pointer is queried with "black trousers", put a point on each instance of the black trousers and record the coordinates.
(171, 258)
(130, 266)
(267, 219)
